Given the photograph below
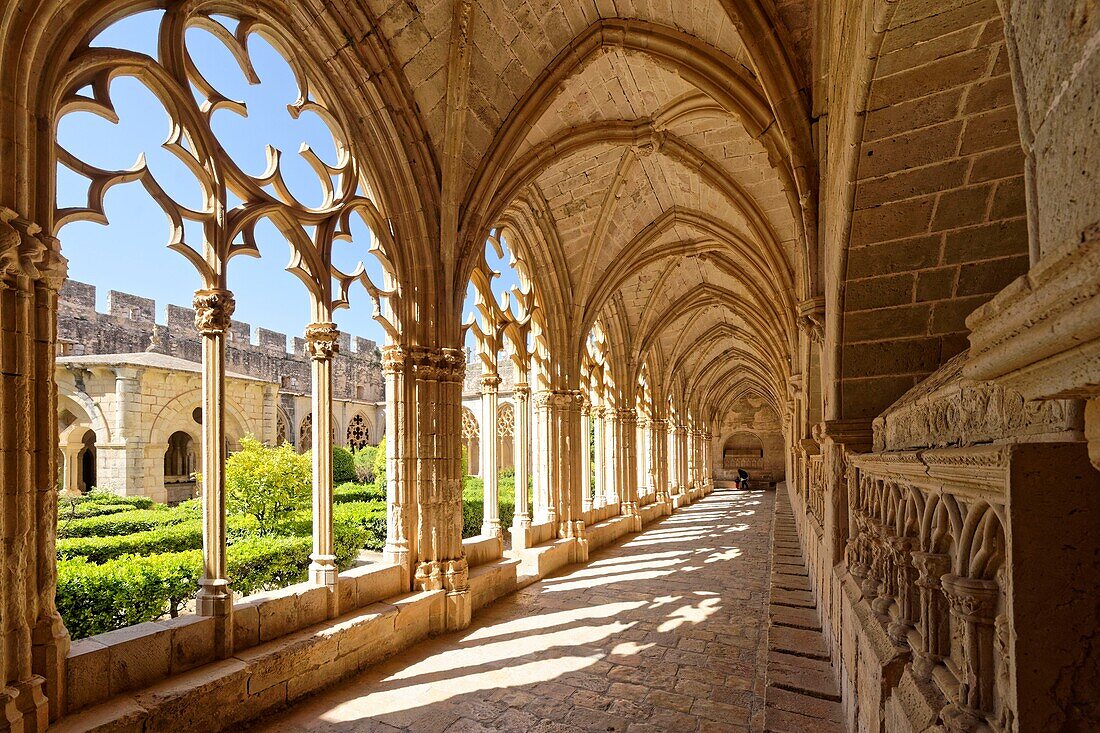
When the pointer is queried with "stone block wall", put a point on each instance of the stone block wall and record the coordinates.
(939, 223)
(129, 325)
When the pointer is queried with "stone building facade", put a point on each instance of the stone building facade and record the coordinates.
(127, 384)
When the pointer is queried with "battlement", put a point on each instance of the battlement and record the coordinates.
(129, 325)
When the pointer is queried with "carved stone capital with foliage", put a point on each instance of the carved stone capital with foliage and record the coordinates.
(322, 340)
(214, 311)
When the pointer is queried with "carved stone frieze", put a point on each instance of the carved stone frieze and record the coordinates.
(948, 409)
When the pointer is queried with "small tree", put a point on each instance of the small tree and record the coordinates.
(267, 482)
(343, 465)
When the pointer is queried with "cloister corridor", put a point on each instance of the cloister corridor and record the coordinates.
(662, 631)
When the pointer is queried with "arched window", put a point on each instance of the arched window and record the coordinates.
(179, 458)
(470, 439)
(282, 428)
(305, 433)
(506, 423)
(358, 433)
(87, 461)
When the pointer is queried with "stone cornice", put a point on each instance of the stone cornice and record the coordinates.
(1040, 336)
(978, 472)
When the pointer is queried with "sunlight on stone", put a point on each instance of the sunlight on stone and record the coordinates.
(690, 614)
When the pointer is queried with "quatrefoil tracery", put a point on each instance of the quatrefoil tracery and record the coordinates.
(233, 201)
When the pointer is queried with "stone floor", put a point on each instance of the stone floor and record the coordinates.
(801, 693)
(665, 631)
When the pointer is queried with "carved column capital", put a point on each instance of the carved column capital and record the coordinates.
(490, 383)
(521, 390)
(972, 599)
(394, 359)
(436, 364)
(811, 318)
(27, 251)
(322, 340)
(214, 311)
(930, 568)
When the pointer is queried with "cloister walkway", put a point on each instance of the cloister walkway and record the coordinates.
(664, 631)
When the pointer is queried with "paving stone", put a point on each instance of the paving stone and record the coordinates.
(584, 651)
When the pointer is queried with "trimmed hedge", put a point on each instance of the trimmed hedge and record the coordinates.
(348, 492)
(343, 465)
(473, 504)
(173, 538)
(97, 598)
(99, 496)
(123, 523)
(66, 511)
(132, 589)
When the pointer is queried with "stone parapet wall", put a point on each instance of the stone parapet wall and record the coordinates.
(129, 326)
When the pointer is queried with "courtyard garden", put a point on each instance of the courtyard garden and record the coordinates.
(126, 560)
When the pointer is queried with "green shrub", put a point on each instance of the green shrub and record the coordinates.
(173, 538)
(343, 465)
(266, 482)
(379, 466)
(123, 523)
(264, 563)
(89, 509)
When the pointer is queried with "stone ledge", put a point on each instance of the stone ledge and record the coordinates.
(493, 580)
(267, 677)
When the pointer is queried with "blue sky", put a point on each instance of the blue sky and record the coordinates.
(129, 253)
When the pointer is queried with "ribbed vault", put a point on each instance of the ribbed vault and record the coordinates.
(650, 178)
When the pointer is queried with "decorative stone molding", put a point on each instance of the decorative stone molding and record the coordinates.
(490, 383)
(811, 318)
(1040, 336)
(213, 311)
(949, 409)
(436, 364)
(322, 340)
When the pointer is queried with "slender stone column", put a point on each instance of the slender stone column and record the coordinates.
(400, 546)
(641, 441)
(562, 409)
(586, 461)
(973, 607)
(521, 450)
(610, 457)
(935, 629)
(322, 340)
(692, 456)
(599, 439)
(213, 317)
(681, 448)
(544, 510)
(659, 437)
(490, 524)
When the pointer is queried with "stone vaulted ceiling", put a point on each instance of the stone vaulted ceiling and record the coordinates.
(641, 154)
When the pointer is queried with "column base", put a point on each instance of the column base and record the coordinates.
(398, 555)
(492, 529)
(215, 599)
(11, 720)
(50, 650)
(322, 569)
(31, 704)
